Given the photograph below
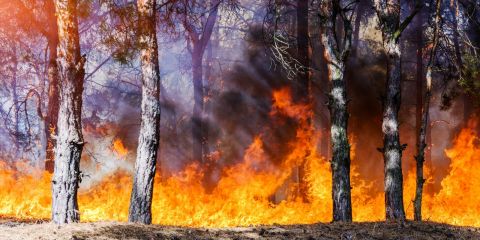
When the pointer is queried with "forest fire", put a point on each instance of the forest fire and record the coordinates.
(246, 192)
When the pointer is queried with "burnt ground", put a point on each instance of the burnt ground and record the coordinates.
(10, 229)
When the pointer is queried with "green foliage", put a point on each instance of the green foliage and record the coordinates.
(470, 80)
(119, 32)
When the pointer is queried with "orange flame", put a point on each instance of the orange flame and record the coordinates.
(245, 194)
(119, 147)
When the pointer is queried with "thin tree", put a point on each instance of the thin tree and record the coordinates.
(337, 41)
(420, 157)
(53, 86)
(145, 165)
(197, 41)
(303, 83)
(388, 12)
(70, 138)
(49, 30)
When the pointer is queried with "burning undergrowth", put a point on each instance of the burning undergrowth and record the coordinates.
(259, 138)
(251, 191)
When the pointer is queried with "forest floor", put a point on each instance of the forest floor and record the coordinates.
(11, 229)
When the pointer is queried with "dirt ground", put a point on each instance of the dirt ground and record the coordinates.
(110, 230)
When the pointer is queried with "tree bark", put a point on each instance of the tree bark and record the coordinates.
(145, 165)
(303, 53)
(198, 105)
(302, 90)
(200, 42)
(361, 5)
(53, 87)
(15, 108)
(422, 134)
(392, 150)
(70, 139)
(388, 12)
(342, 206)
(336, 53)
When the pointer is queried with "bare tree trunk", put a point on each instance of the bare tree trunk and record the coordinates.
(361, 5)
(70, 139)
(15, 108)
(342, 205)
(200, 42)
(53, 88)
(421, 143)
(145, 165)
(198, 105)
(392, 150)
(302, 89)
(388, 12)
(336, 54)
(303, 53)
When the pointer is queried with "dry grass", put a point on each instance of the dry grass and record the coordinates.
(10, 229)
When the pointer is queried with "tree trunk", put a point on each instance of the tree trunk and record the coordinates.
(342, 205)
(420, 157)
(198, 105)
(303, 53)
(361, 5)
(302, 90)
(422, 134)
(145, 165)
(70, 139)
(336, 54)
(392, 150)
(53, 88)
(200, 42)
(421, 121)
(15, 107)
(388, 13)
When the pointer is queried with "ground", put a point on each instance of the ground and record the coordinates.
(110, 230)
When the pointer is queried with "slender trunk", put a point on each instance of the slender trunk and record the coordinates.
(356, 31)
(392, 150)
(420, 157)
(303, 80)
(419, 76)
(15, 109)
(145, 165)
(303, 53)
(421, 122)
(422, 134)
(342, 205)
(70, 139)
(336, 54)
(198, 106)
(388, 13)
(199, 45)
(53, 88)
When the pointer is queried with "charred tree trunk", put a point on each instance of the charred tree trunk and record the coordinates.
(145, 165)
(303, 79)
(70, 139)
(392, 149)
(361, 5)
(336, 53)
(198, 105)
(15, 107)
(388, 12)
(53, 88)
(342, 206)
(200, 42)
(303, 53)
(422, 134)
